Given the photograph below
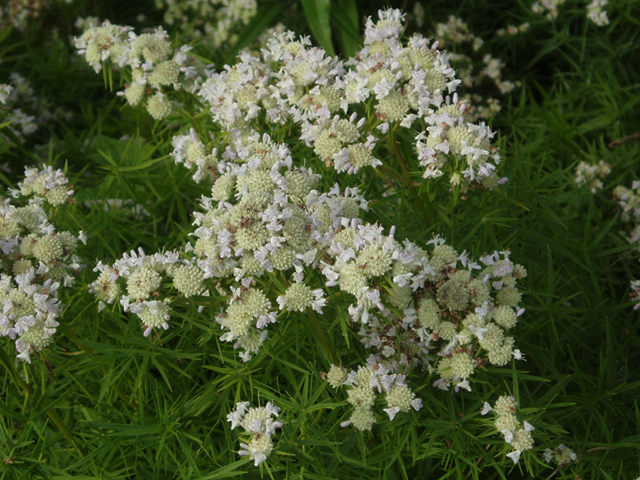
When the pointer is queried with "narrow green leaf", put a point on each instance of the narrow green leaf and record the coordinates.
(318, 15)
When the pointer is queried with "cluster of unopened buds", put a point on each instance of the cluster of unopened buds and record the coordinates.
(34, 261)
(515, 433)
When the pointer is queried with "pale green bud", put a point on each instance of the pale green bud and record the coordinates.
(47, 248)
(400, 396)
(337, 376)
(298, 297)
(187, 279)
(509, 296)
(454, 294)
(522, 440)
(165, 73)
(362, 419)
(507, 421)
(134, 94)
(142, 281)
(223, 187)
(393, 107)
(159, 106)
(505, 317)
(428, 313)
(505, 405)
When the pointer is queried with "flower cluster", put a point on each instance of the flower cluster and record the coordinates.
(264, 216)
(22, 13)
(561, 455)
(591, 176)
(34, 261)
(45, 185)
(259, 424)
(406, 85)
(213, 23)
(596, 14)
(156, 67)
(25, 110)
(408, 300)
(629, 204)
(548, 7)
(513, 29)
(635, 293)
(144, 276)
(363, 385)
(515, 433)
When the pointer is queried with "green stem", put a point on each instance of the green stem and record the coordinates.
(324, 341)
(427, 215)
(51, 412)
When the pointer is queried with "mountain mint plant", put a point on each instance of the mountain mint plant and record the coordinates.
(320, 247)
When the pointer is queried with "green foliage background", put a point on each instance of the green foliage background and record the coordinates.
(140, 408)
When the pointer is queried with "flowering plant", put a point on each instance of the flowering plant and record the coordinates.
(310, 263)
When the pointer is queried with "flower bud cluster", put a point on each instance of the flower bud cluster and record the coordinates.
(34, 261)
(258, 422)
(213, 23)
(156, 67)
(513, 29)
(101, 43)
(443, 297)
(595, 10)
(5, 93)
(515, 433)
(363, 387)
(629, 205)
(145, 279)
(591, 176)
(561, 455)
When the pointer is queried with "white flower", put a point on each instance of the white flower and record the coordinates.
(515, 456)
